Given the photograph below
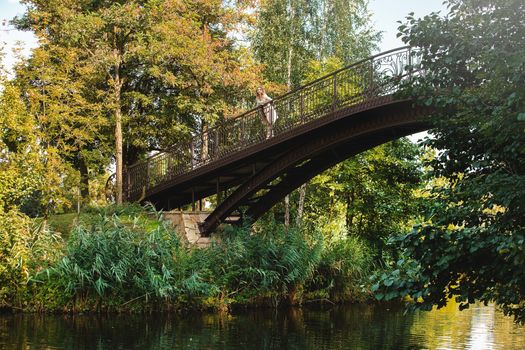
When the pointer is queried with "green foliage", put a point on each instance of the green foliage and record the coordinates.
(25, 249)
(127, 258)
(34, 176)
(343, 270)
(135, 73)
(166, 65)
(289, 34)
(274, 261)
(242, 267)
(471, 244)
(372, 194)
(116, 261)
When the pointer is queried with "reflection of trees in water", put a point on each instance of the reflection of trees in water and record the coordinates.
(475, 328)
(366, 327)
(341, 327)
(80, 332)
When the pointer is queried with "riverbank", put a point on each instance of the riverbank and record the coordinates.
(129, 259)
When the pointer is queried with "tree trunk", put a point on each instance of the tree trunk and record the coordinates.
(289, 83)
(289, 68)
(118, 152)
(350, 197)
(117, 87)
(84, 179)
(300, 206)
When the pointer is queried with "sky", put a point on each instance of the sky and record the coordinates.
(386, 13)
(8, 36)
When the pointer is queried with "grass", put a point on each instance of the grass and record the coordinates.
(63, 223)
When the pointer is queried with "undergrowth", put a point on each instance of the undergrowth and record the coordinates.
(130, 259)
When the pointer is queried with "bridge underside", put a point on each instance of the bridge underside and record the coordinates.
(260, 176)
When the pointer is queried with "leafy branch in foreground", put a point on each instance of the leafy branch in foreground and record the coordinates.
(471, 246)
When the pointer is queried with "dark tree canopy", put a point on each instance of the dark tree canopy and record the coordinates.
(471, 244)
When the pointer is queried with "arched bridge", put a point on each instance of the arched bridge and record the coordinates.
(257, 163)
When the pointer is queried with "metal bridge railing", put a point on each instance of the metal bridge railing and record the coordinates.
(358, 83)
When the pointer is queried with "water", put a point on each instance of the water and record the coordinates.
(341, 327)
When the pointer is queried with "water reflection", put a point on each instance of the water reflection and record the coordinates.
(342, 327)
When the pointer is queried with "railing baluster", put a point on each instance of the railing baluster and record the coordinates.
(409, 64)
(216, 143)
(334, 101)
(301, 106)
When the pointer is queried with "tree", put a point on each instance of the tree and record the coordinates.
(59, 96)
(158, 70)
(345, 31)
(371, 195)
(471, 243)
(291, 34)
(32, 173)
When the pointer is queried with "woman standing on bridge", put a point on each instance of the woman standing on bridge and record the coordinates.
(268, 113)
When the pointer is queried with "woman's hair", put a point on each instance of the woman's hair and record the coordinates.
(260, 91)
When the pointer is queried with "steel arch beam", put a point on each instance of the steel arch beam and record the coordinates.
(366, 132)
(300, 175)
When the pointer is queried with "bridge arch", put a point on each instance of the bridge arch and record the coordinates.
(319, 125)
(317, 150)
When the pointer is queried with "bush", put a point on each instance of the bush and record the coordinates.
(344, 267)
(110, 261)
(25, 249)
(128, 258)
(274, 262)
(243, 266)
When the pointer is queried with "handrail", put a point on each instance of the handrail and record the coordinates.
(357, 83)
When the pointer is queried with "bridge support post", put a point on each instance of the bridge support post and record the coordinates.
(218, 190)
(193, 199)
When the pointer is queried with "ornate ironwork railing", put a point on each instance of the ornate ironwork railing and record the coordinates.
(358, 83)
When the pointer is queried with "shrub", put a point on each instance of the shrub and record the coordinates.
(130, 259)
(112, 261)
(25, 249)
(343, 268)
(242, 266)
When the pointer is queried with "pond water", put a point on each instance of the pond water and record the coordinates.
(340, 327)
